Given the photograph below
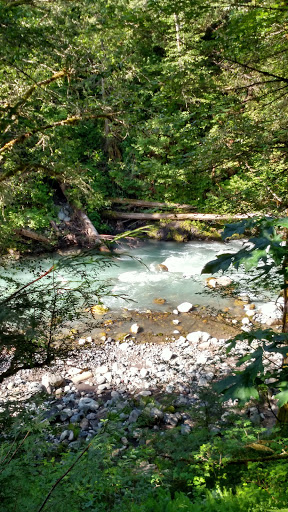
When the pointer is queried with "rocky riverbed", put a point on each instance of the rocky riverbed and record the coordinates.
(138, 374)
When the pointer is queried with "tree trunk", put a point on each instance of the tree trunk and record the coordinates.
(151, 204)
(283, 411)
(170, 216)
(87, 229)
(34, 236)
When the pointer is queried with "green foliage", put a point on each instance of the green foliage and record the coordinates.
(209, 472)
(32, 313)
(195, 96)
(266, 251)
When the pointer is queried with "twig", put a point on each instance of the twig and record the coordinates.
(26, 285)
(15, 451)
(61, 478)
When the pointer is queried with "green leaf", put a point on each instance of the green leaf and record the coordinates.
(282, 398)
(222, 262)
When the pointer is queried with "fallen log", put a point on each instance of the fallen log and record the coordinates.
(34, 236)
(140, 202)
(171, 216)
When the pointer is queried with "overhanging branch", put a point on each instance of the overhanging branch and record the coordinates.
(251, 68)
(69, 121)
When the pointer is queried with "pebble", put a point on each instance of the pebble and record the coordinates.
(121, 378)
(185, 307)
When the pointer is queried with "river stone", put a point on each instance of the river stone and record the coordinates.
(65, 435)
(100, 379)
(102, 369)
(185, 307)
(166, 354)
(88, 404)
(54, 380)
(134, 415)
(134, 329)
(197, 336)
(84, 424)
(36, 387)
(171, 419)
(155, 413)
(115, 395)
(185, 429)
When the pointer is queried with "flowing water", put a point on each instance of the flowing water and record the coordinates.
(139, 276)
(144, 282)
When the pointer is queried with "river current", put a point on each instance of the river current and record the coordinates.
(140, 274)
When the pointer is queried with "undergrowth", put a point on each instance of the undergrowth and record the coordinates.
(232, 467)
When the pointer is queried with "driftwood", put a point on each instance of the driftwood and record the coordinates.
(89, 230)
(171, 216)
(34, 236)
(138, 202)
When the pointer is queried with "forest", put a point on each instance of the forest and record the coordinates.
(140, 100)
(142, 111)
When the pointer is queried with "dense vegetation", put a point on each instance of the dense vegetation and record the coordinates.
(141, 99)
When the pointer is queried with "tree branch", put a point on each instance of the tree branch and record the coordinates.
(29, 92)
(62, 476)
(69, 121)
(266, 73)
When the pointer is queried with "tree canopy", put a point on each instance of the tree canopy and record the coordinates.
(141, 99)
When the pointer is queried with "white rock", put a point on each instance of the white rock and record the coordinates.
(175, 312)
(201, 359)
(175, 322)
(185, 307)
(124, 346)
(89, 339)
(223, 281)
(100, 379)
(176, 332)
(197, 336)
(134, 329)
(166, 354)
(54, 380)
(245, 321)
(101, 369)
(181, 339)
(82, 341)
(74, 371)
(143, 373)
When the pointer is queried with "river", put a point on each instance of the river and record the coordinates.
(136, 275)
